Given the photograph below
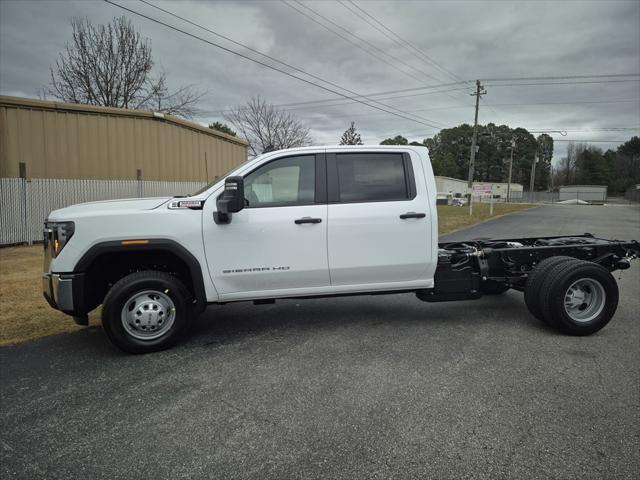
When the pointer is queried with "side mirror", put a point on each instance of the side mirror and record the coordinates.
(231, 200)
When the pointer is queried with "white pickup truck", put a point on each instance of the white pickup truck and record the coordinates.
(306, 222)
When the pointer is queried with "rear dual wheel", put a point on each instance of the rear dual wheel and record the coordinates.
(575, 296)
(535, 281)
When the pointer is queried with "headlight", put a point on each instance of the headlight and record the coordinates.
(59, 234)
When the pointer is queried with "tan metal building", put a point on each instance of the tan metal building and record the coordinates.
(63, 140)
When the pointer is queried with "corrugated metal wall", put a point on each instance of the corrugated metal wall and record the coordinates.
(26, 203)
(59, 140)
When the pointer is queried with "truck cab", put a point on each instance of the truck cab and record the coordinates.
(312, 221)
(326, 221)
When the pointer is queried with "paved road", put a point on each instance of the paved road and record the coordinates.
(368, 387)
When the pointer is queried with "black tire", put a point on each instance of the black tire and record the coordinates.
(165, 286)
(489, 287)
(596, 281)
(535, 281)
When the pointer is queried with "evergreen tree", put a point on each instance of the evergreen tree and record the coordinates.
(450, 150)
(222, 127)
(543, 168)
(351, 136)
(398, 140)
(626, 171)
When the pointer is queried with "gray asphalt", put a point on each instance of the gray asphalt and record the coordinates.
(358, 387)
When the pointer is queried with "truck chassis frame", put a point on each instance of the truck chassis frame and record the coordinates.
(464, 266)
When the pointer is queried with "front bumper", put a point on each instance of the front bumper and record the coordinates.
(63, 291)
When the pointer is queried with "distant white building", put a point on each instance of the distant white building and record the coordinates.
(499, 190)
(586, 193)
(453, 186)
(458, 188)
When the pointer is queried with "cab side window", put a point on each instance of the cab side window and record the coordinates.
(284, 182)
(372, 177)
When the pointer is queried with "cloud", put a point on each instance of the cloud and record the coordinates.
(470, 39)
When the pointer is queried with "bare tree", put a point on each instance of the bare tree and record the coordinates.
(110, 65)
(158, 98)
(568, 167)
(267, 128)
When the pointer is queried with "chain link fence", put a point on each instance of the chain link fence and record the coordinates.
(633, 193)
(535, 197)
(519, 197)
(24, 204)
(577, 197)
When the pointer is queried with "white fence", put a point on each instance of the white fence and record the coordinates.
(24, 204)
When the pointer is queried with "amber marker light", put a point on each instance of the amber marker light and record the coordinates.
(134, 242)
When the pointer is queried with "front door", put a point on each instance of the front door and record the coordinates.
(278, 242)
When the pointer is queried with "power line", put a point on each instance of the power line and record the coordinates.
(338, 86)
(454, 107)
(355, 94)
(329, 100)
(392, 97)
(558, 83)
(543, 80)
(531, 130)
(411, 47)
(588, 130)
(399, 41)
(489, 106)
(172, 27)
(319, 103)
(378, 29)
(369, 44)
(410, 134)
(561, 77)
(589, 141)
(563, 103)
(386, 62)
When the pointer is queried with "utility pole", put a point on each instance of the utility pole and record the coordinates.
(533, 174)
(479, 92)
(513, 145)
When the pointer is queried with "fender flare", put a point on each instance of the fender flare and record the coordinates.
(155, 244)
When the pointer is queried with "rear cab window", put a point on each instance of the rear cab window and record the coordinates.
(370, 177)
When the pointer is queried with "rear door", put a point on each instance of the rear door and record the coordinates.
(379, 219)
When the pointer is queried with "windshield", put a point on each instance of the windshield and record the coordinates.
(217, 179)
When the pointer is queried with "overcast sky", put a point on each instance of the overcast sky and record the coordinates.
(467, 39)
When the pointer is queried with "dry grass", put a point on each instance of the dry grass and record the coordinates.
(25, 314)
(454, 218)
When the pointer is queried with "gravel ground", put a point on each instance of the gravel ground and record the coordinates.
(355, 387)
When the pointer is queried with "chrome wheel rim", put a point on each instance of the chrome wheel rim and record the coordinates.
(584, 300)
(148, 315)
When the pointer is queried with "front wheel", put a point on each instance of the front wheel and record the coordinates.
(146, 312)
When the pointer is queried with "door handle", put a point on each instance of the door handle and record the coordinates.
(404, 216)
(302, 220)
